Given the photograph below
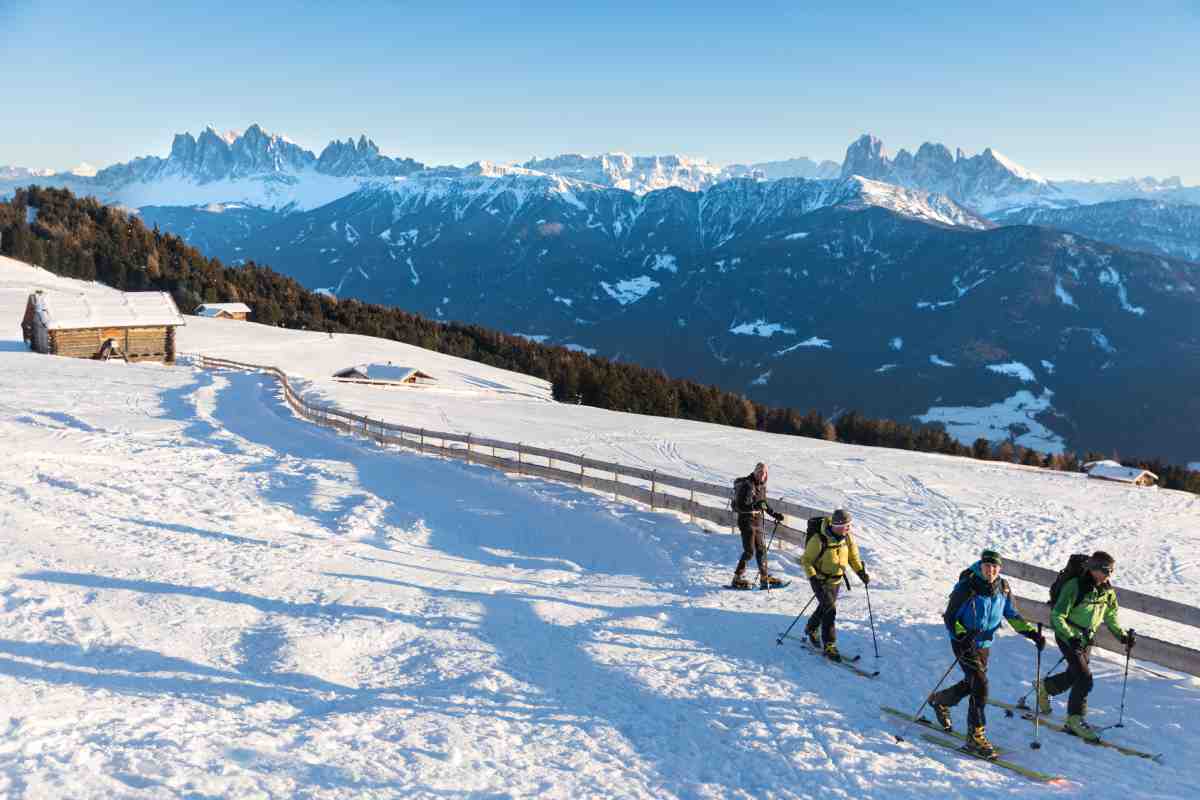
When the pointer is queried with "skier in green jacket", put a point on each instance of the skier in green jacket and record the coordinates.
(1083, 603)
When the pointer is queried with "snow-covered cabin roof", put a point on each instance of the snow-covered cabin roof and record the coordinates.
(388, 373)
(214, 309)
(65, 311)
(1113, 471)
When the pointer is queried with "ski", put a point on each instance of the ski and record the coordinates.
(928, 723)
(1031, 774)
(1027, 714)
(756, 588)
(847, 662)
(1157, 758)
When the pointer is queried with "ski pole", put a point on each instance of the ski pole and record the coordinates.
(1036, 744)
(871, 616)
(1021, 703)
(917, 715)
(783, 635)
(770, 542)
(1124, 685)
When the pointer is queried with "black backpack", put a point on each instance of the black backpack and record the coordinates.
(738, 484)
(1076, 567)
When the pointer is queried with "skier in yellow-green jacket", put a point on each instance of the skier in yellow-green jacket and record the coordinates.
(1082, 604)
(828, 552)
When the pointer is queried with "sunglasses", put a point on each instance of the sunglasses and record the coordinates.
(839, 526)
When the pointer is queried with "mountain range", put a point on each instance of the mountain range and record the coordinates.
(963, 290)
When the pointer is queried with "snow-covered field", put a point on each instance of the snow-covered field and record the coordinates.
(203, 596)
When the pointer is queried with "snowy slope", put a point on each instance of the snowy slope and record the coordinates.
(203, 596)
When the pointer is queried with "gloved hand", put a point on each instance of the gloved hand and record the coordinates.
(1130, 639)
(1077, 643)
(966, 642)
(776, 515)
(1037, 638)
(761, 505)
(864, 577)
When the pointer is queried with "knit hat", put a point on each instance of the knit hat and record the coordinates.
(841, 517)
(989, 557)
(1102, 561)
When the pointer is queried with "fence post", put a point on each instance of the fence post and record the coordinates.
(692, 506)
(445, 452)
(616, 486)
(653, 486)
(422, 445)
(468, 448)
(520, 460)
(581, 457)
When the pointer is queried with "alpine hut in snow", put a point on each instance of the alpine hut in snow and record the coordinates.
(135, 326)
(384, 374)
(1109, 470)
(223, 310)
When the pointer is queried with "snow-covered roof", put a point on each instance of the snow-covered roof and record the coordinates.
(382, 372)
(64, 311)
(389, 372)
(1113, 471)
(214, 309)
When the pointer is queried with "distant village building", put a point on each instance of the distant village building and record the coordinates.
(383, 373)
(223, 310)
(135, 326)
(1109, 470)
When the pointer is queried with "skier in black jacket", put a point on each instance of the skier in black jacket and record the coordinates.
(750, 503)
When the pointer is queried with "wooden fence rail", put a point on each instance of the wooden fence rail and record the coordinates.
(1168, 654)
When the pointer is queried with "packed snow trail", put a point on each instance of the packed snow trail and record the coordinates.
(202, 595)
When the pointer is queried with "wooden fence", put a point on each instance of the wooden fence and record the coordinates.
(594, 474)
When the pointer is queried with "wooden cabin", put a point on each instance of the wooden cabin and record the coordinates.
(383, 373)
(1109, 470)
(134, 326)
(223, 310)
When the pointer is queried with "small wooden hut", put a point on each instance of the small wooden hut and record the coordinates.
(1109, 470)
(135, 326)
(383, 373)
(223, 310)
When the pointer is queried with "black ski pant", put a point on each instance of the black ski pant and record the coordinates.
(1077, 678)
(974, 663)
(753, 545)
(826, 614)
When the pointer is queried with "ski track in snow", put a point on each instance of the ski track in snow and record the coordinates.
(205, 596)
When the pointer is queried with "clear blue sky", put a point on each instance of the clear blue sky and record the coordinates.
(1090, 88)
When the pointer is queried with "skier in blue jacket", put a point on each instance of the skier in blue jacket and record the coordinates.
(979, 603)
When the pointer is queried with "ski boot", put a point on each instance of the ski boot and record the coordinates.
(977, 743)
(740, 582)
(831, 652)
(1078, 726)
(942, 712)
(768, 582)
(813, 638)
(1043, 697)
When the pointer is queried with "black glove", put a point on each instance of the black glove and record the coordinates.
(1035, 637)
(1077, 643)
(778, 517)
(864, 577)
(966, 642)
(761, 505)
(1130, 639)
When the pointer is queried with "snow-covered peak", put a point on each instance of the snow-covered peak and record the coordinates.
(1014, 167)
(638, 174)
